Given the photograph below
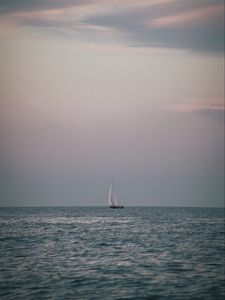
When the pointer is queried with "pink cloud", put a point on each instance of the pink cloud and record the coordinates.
(216, 105)
(199, 15)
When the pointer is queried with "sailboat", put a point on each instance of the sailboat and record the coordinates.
(113, 201)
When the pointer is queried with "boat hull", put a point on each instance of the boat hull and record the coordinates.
(116, 207)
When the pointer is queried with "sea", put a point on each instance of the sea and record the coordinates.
(102, 253)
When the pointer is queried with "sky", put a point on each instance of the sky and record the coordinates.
(128, 90)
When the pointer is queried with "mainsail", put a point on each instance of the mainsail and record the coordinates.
(113, 201)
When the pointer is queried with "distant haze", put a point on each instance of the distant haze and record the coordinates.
(126, 90)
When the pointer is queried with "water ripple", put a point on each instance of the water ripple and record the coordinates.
(98, 253)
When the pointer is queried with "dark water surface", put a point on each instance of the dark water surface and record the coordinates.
(100, 253)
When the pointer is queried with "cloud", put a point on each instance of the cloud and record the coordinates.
(213, 108)
(198, 15)
(36, 5)
(189, 25)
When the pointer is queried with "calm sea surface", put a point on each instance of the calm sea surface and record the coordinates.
(102, 253)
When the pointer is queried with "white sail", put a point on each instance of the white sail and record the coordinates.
(112, 200)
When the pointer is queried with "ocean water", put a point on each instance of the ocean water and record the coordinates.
(102, 253)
